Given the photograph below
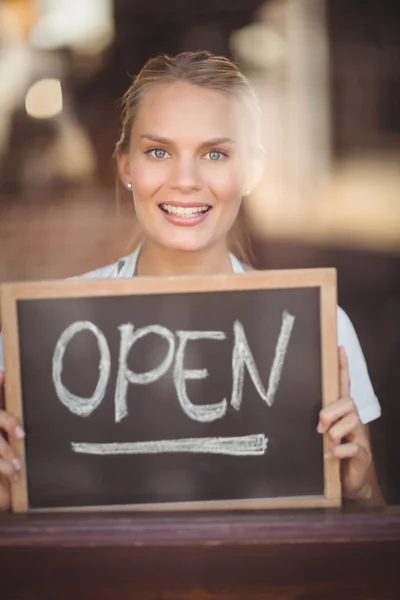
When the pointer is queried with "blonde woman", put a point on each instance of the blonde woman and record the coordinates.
(189, 153)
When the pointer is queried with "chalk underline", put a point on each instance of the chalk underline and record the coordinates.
(249, 445)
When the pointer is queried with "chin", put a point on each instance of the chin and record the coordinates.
(185, 246)
(180, 244)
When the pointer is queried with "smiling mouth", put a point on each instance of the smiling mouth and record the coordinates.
(185, 211)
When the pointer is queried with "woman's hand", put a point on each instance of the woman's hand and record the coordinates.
(348, 438)
(10, 465)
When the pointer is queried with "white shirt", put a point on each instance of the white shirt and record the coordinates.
(361, 388)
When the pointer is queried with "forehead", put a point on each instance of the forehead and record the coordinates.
(182, 109)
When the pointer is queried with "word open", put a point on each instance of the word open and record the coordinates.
(175, 357)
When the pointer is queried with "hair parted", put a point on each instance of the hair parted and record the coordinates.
(198, 68)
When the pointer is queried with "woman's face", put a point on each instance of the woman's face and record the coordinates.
(186, 166)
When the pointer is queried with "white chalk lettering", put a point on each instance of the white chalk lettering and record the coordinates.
(242, 356)
(80, 406)
(250, 445)
(204, 413)
(280, 355)
(126, 376)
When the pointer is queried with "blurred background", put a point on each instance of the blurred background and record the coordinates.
(327, 73)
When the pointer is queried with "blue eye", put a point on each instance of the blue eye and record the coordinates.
(158, 153)
(216, 155)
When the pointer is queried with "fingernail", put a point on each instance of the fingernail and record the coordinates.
(328, 455)
(17, 464)
(320, 428)
(19, 431)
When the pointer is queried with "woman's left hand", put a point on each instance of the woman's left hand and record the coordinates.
(348, 438)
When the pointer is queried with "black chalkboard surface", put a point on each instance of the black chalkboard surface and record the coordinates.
(187, 392)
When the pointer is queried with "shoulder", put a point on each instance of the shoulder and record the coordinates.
(361, 387)
(362, 391)
(121, 269)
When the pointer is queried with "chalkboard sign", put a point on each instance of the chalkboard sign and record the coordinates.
(173, 393)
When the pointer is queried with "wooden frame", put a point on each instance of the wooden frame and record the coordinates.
(325, 279)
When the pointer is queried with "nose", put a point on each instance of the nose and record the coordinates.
(185, 175)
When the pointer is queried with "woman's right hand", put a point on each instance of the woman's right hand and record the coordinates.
(10, 465)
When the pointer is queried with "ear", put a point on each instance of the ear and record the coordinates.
(123, 167)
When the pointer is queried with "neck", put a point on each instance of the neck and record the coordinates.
(159, 261)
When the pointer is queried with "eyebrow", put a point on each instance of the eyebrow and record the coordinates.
(213, 142)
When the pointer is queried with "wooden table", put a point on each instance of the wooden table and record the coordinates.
(308, 555)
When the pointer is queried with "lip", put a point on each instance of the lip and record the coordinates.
(185, 221)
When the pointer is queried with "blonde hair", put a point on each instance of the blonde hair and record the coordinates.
(205, 70)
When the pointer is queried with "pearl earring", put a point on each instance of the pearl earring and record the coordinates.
(129, 185)
(247, 192)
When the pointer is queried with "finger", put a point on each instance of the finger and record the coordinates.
(11, 425)
(345, 427)
(335, 411)
(343, 451)
(9, 469)
(6, 451)
(344, 375)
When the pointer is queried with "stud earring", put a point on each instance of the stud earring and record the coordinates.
(129, 185)
(247, 192)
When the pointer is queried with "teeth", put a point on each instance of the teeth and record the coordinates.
(181, 211)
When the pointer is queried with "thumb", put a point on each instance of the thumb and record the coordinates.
(344, 376)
